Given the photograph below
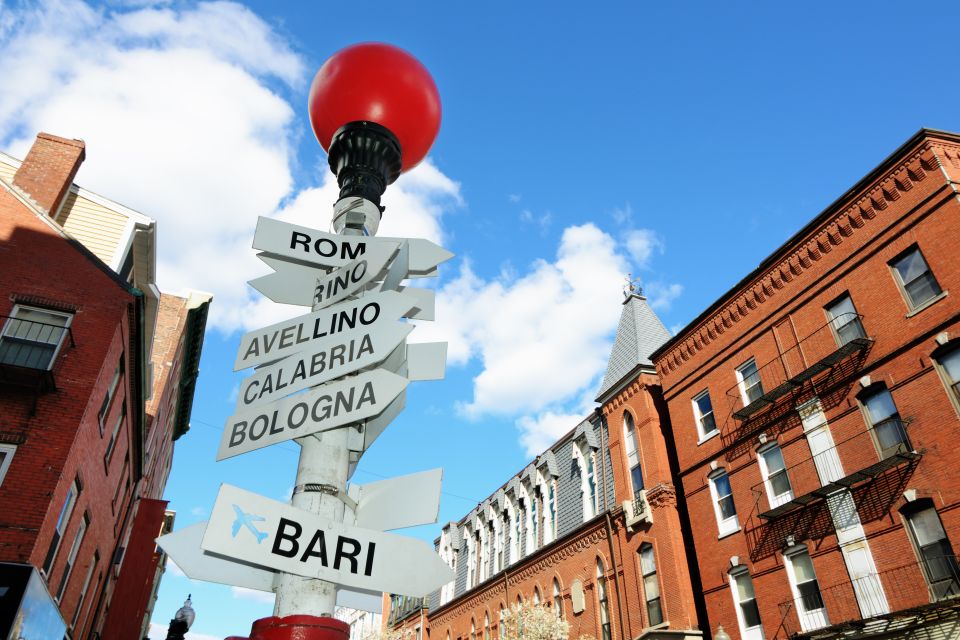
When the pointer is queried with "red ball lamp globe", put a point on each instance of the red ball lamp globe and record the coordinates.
(376, 111)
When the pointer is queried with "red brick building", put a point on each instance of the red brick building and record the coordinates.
(814, 409)
(84, 450)
(590, 528)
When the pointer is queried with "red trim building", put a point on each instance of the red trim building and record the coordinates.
(84, 452)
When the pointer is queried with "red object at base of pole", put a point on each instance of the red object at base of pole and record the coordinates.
(297, 627)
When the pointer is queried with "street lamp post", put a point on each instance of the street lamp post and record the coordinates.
(376, 111)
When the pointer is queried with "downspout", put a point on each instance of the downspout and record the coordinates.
(613, 558)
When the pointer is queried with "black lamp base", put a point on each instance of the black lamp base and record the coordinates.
(366, 158)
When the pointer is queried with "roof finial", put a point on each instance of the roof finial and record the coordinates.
(632, 287)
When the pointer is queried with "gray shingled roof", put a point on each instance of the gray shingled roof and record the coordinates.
(639, 334)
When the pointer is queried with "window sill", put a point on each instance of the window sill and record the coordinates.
(727, 534)
(929, 303)
(713, 434)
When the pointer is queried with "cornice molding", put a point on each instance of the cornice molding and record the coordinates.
(859, 212)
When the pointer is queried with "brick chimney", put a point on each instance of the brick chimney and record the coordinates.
(48, 170)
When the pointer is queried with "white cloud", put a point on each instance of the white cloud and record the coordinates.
(642, 244)
(182, 113)
(543, 337)
(539, 432)
(242, 593)
(199, 512)
(662, 295)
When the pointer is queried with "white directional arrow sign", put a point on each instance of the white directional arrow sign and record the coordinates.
(305, 285)
(183, 547)
(324, 407)
(406, 501)
(291, 336)
(350, 351)
(268, 533)
(302, 244)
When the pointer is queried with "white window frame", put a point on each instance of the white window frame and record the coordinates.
(632, 450)
(548, 485)
(8, 451)
(951, 384)
(912, 306)
(742, 384)
(773, 499)
(746, 633)
(72, 556)
(471, 558)
(583, 455)
(63, 522)
(513, 519)
(8, 325)
(729, 525)
(836, 324)
(498, 560)
(814, 618)
(698, 417)
(557, 599)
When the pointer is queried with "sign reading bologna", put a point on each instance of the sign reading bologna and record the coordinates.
(264, 532)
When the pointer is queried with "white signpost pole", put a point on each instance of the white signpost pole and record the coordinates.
(322, 474)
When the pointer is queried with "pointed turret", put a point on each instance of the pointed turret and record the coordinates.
(639, 334)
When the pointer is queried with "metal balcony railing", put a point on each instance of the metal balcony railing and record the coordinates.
(812, 355)
(850, 462)
(29, 344)
(876, 604)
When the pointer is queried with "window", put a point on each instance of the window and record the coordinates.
(888, 429)
(631, 445)
(536, 595)
(84, 588)
(809, 602)
(108, 397)
(112, 443)
(471, 560)
(550, 517)
(486, 626)
(6, 457)
(557, 600)
(497, 545)
(72, 556)
(590, 508)
(514, 512)
(745, 600)
(32, 337)
(949, 366)
(602, 597)
(775, 478)
(651, 586)
(915, 278)
(61, 526)
(748, 377)
(703, 412)
(723, 504)
(936, 554)
(473, 630)
(844, 320)
(532, 538)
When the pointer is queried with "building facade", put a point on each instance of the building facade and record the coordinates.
(83, 453)
(590, 528)
(814, 409)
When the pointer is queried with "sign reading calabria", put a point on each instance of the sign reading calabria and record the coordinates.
(254, 529)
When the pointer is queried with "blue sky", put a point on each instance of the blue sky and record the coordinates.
(680, 142)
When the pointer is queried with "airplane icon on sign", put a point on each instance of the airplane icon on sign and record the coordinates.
(247, 520)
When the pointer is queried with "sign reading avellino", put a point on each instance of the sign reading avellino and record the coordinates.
(291, 336)
(264, 532)
(321, 408)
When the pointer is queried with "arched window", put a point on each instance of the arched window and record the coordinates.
(632, 447)
(536, 595)
(557, 600)
(486, 626)
(602, 597)
(473, 629)
(519, 599)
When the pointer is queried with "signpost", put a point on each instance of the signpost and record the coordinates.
(334, 379)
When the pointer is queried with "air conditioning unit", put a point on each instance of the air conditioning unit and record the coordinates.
(637, 511)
